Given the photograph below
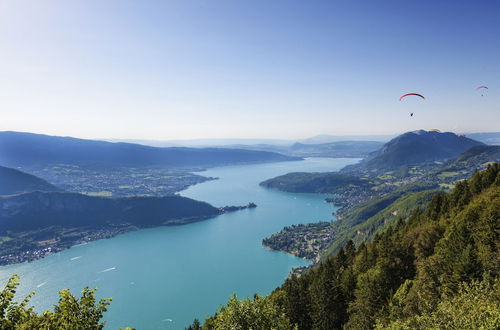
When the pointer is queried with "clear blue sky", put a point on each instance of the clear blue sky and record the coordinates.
(247, 69)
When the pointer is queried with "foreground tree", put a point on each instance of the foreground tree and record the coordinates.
(248, 314)
(476, 306)
(70, 313)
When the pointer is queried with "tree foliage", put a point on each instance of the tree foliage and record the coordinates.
(70, 313)
(249, 314)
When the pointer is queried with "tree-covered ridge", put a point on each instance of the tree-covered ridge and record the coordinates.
(411, 275)
(13, 181)
(414, 148)
(314, 182)
(36, 224)
(367, 218)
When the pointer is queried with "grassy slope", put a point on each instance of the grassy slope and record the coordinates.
(373, 216)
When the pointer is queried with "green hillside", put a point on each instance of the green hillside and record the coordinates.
(13, 181)
(314, 182)
(439, 269)
(368, 218)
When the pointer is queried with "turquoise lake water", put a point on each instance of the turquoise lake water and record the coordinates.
(164, 277)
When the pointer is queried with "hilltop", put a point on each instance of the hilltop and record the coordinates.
(415, 148)
(13, 181)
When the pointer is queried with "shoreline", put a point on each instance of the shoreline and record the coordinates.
(90, 235)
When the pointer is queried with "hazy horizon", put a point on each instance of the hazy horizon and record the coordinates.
(182, 70)
(229, 141)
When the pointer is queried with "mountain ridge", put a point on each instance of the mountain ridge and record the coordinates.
(18, 149)
(415, 148)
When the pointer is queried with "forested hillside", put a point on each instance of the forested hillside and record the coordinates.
(437, 269)
(36, 224)
(414, 148)
(13, 181)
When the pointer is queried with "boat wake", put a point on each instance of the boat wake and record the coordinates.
(108, 269)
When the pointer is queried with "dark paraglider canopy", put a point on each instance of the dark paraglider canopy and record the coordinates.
(481, 87)
(414, 94)
(411, 94)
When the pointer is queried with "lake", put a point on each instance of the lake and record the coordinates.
(164, 277)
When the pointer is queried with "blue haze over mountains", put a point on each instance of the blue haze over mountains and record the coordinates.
(18, 149)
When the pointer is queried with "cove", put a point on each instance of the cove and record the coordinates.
(164, 277)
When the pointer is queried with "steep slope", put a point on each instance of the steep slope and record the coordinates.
(438, 269)
(414, 148)
(366, 219)
(477, 157)
(18, 149)
(13, 181)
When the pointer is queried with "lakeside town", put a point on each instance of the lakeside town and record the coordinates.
(119, 181)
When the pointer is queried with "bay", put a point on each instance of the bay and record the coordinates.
(164, 277)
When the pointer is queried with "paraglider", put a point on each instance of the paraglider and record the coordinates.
(481, 88)
(411, 94)
(415, 94)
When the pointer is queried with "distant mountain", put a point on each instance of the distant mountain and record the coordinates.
(203, 143)
(20, 149)
(488, 138)
(228, 142)
(417, 147)
(356, 149)
(492, 138)
(13, 181)
(325, 138)
(336, 149)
